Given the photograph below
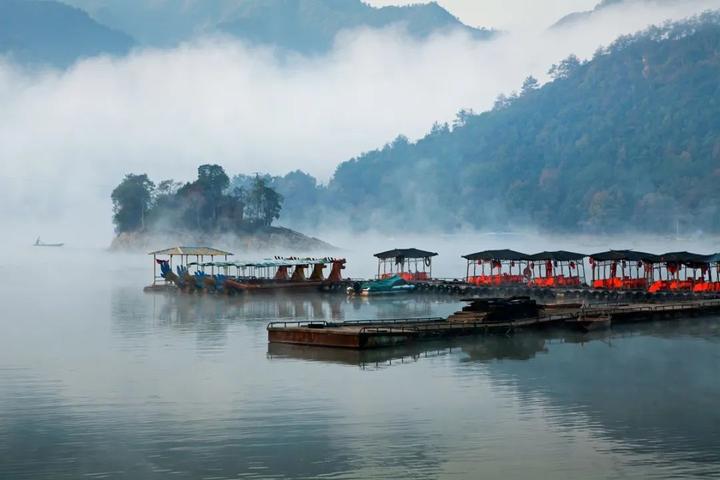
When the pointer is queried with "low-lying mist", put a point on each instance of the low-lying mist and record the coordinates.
(68, 137)
(63, 269)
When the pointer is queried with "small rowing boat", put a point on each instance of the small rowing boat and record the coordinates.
(39, 243)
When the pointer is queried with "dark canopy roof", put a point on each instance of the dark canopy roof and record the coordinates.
(620, 255)
(497, 255)
(406, 253)
(560, 256)
(715, 258)
(684, 257)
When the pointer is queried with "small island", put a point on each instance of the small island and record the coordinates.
(212, 209)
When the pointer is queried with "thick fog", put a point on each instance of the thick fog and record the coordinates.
(68, 137)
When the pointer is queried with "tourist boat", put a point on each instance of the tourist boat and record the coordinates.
(712, 283)
(559, 269)
(410, 264)
(273, 275)
(387, 286)
(39, 243)
(622, 270)
(175, 264)
(497, 268)
(683, 272)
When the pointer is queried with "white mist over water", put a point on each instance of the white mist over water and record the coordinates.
(68, 137)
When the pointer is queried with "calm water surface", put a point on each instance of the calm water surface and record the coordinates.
(98, 380)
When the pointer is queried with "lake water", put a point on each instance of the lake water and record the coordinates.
(99, 380)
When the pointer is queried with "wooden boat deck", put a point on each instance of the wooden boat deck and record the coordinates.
(384, 333)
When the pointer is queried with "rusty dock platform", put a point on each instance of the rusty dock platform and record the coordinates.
(386, 333)
(482, 317)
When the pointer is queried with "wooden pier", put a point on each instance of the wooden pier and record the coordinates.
(483, 317)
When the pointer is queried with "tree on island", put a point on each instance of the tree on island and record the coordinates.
(212, 181)
(209, 204)
(263, 203)
(131, 202)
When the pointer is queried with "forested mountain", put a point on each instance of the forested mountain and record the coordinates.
(576, 18)
(307, 26)
(47, 32)
(630, 139)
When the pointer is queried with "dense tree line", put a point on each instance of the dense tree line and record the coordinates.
(629, 139)
(304, 197)
(208, 204)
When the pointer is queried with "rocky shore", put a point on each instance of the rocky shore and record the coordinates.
(268, 239)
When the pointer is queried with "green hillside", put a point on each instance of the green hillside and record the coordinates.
(630, 139)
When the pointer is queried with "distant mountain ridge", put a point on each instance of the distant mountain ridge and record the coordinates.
(58, 34)
(577, 17)
(44, 31)
(293, 24)
(48, 32)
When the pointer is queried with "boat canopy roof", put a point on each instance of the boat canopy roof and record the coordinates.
(270, 262)
(211, 264)
(559, 256)
(685, 257)
(497, 255)
(627, 255)
(405, 253)
(191, 251)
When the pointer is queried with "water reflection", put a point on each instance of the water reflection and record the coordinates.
(112, 383)
(194, 309)
(364, 359)
(47, 438)
(650, 389)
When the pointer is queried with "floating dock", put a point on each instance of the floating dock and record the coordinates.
(481, 317)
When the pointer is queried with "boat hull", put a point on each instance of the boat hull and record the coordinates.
(379, 293)
(272, 287)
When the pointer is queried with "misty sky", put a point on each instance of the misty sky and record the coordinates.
(68, 137)
(504, 14)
